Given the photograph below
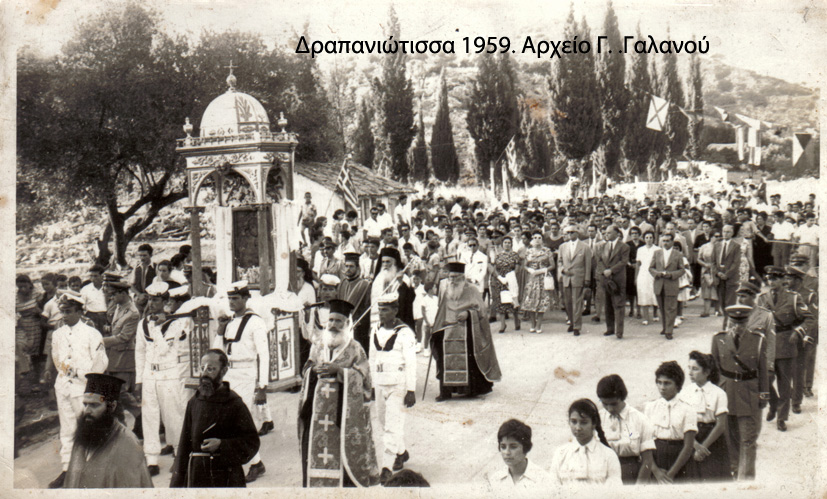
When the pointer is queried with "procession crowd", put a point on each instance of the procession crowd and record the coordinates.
(430, 279)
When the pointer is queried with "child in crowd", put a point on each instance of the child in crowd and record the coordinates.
(711, 457)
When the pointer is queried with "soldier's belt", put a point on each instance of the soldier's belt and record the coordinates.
(746, 376)
(161, 367)
(380, 368)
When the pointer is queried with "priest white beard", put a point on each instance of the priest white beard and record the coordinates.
(335, 339)
(454, 290)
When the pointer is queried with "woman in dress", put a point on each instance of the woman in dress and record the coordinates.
(586, 460)
(710, 460)
(514, 443)
(538, 263)
(645, 282)
(631, 287)
(709, 279)
(747, 266)
(507, 261)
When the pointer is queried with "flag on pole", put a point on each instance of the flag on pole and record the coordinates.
(739, 141)
(658, 111)
(506, 186)
(345, 185)
(753, 139)
(802, 150)
(723, 113)
(511, 157)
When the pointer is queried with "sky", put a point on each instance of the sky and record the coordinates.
(782, 38)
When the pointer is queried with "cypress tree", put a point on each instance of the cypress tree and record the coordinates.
(614, 97)
(535, 146)
(443, 152)
(363, 143)
(312, 122)
(493, 116)
(659, 151)
(638, 140)
(696, 102)
(676, 123)
(420, 153)
(395, 108)
(575, 110)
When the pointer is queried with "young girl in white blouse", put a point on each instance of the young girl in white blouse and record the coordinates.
(674, 425)
(710, 460)
(587, 460)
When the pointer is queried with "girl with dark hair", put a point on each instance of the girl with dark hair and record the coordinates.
(674, 425)
(628, 431)
(514, 443)
(711, 457)
(586, 460)
(507, 261)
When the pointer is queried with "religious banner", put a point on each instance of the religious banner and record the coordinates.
(199, 340)
(281, 341)
(658, 111)
(455, 355)
(324, 467)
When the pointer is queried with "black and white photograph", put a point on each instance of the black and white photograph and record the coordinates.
(480, 249)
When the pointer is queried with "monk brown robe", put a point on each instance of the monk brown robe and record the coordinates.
(464, 348)
(356, 291)
(332, 410)
(118, 462)
(224, 416)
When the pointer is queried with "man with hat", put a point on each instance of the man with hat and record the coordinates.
(807, 338)
(179, 336)
(120, 345)
(244, 338)
(792, 321)
(476, 265)
(77, 349)
(105, 454)
(808, 290)
(336, 385)
(218, 435)
(328, 290)
(470, 365)
(760, 319)
(158, 376)
(393, 370)
(390, 278)
(356, 290)
(327, 263)
(741, 357)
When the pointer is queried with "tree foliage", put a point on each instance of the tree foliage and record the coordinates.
(614, 97)
(676, 124)
(493, 115)
(443, 152)
(536, 144)
(575, 100)
(696, 102)
(395, 116)
(362, 140)
(638, 140)
(420, 171)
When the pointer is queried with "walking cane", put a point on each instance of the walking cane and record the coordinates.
(427, 373)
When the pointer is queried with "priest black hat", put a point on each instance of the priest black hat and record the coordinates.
(341, 307)
(105, 385)
(455, 267)
(352, 256)
(391, 253)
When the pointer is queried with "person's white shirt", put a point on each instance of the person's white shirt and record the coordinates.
(373, 227)
(671, 419)
(77, 351)
(708, 401)
(534, 478)
(385, 221)
(430, 305)
(476, 268)
(808, 235)
(93, 298)
(419, 293)
(629, 433)
(590, 464)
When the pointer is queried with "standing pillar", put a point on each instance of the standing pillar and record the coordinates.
(195, 240)
(262, 213)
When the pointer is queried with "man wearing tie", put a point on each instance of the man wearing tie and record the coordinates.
(614, 257)
(666, 267)
(575, 272)
(728, 260)
(369, 262)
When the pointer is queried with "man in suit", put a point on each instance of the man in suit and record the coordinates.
(666, 267)
(575, 272)
(614, 256)
(728, 261)
(143, 275)
(120, 346)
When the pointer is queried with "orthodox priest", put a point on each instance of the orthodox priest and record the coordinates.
(218, 435)
(356, 290)
(461, 342)
(389, 279)
(105, 453)
(333, 406)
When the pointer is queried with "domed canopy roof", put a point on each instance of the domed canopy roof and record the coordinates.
(234, 113)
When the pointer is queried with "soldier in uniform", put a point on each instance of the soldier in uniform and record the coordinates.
(761, 318)
(741, 358)
(157, 377)
(809, 291)
(244, 339)
(792, 321)
(393, 370)
(807, 339)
